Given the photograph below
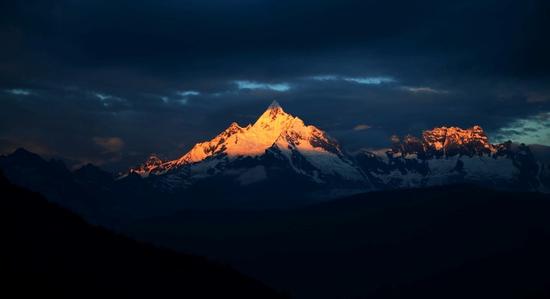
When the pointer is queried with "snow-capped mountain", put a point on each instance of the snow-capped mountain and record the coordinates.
(153, 165)
(279, 147)
(446, 141)
(279, 161)
(448, 155)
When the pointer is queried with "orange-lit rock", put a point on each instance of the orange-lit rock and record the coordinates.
(274, 130)
(452, 140)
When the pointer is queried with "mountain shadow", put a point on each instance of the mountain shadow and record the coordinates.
(51, 252)
(458, 241)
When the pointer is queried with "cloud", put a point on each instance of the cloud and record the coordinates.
(529, 130)
(102, 96)
(19, 92)
(187, 93)
(181, 97)
(423, 90)
(325, 78)
(109, 144)
(107, 97)
(361, 127)
(109, 100)
(369, 80)
(360, 80)
(280, 87)
(184, 100)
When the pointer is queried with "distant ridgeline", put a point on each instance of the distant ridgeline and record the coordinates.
(279, 145)
(448, 155)
(281, 161)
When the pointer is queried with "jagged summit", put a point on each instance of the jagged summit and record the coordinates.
(275, 131)
(275, 108)
(234, 125)
(23, 153)
(272, 112)
(280, 148)
(453, 140)
(153, 164)
(274, 105)
(447, 141)
(235, 141)
(253, 140)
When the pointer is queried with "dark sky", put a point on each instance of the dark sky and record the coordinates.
(109, 83)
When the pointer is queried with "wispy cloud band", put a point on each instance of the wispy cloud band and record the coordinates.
(245, 84)
(19, 92)
(376, 80)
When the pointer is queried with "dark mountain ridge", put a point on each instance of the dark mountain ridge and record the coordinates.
(49, 251)
(387, 244)
(459, 241)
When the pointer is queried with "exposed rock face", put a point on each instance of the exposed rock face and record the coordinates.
(281, 148)
(153, 165)
(281, 160)
(277, 140)
(456, 141)
(448, 155)
(446, 141)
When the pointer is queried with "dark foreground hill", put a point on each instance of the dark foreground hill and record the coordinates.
(446, 242)
(48, 251)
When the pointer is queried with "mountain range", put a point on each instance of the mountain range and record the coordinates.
(280, 146)
(279, 161)
(439, 242)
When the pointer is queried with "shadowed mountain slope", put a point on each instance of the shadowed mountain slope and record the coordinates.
(49, 251)
(457, 241)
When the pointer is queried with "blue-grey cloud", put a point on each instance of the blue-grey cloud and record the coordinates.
(19, 92)
(361, 127)
(530, 130)
(244, 84)
(423, 90)
(187, 93)
(370, 80)
(377, 80)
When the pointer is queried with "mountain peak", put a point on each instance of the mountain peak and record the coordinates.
(449, 141)
(151, 165)
(274, 105)
(234, 125)
(21, 153)
(272, 111)
(445, 135)
(153, 159)
(273, 129)
(273, 114)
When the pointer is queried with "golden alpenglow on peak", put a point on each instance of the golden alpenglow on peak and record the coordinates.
(251, 140)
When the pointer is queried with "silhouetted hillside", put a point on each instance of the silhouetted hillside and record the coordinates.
(447, 242)
(51, 252)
